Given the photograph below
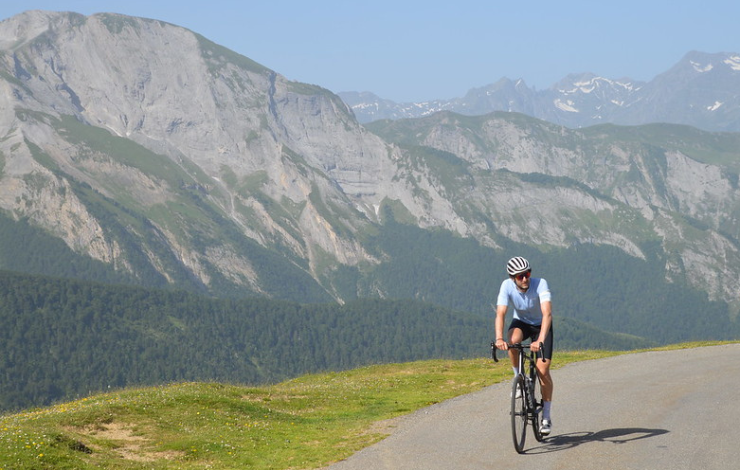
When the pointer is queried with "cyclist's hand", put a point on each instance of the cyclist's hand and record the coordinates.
(535, 346)
(501, 344)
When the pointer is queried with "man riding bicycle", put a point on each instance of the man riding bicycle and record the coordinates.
(530, 298)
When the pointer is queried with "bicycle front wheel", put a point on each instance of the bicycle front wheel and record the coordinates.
(518, 413)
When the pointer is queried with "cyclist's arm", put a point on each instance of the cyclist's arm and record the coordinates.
(546, 307)
(500, 320)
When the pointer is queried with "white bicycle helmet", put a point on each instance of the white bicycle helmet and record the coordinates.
(517, 265)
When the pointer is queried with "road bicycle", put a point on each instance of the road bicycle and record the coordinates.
(526, 396)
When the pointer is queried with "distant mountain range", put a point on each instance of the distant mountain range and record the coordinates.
(701, 90)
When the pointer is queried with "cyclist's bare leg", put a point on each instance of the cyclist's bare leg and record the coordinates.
(516, 335)
(543, 369)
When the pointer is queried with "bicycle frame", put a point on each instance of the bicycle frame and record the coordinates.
(525, 409)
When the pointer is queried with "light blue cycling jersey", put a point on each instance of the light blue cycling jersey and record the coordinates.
(526, 305)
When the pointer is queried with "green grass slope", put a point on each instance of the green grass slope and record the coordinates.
(307, 422)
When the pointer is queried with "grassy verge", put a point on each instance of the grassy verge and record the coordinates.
(303, 423)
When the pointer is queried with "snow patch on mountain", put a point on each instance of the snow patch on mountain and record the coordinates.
(566, 105)
(733, 62)
(701, 68)
(715, 106)
(588, 86)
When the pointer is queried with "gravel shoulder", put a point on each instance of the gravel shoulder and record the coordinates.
(653, 410)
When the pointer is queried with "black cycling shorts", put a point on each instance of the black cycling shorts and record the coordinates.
(532, 332)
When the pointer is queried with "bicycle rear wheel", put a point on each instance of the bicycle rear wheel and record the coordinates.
(536, 411)
(518, 413)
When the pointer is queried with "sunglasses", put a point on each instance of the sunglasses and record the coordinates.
(522, 276)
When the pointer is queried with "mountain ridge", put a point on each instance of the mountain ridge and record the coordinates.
(700, 90)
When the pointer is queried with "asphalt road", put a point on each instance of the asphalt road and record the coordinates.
(655, 410)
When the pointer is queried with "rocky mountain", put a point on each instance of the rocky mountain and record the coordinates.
(148, 147)
(205, 149)
(702, 90)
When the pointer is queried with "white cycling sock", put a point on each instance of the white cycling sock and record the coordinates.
(546, 406)
(516, 370)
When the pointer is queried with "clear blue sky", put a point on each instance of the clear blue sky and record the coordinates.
(418, 50)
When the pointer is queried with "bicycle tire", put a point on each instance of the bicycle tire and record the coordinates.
(537, 410)
(519, 416)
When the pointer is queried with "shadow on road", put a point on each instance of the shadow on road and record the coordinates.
(615, 436)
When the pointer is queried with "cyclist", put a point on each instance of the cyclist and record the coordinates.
(532, 303)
